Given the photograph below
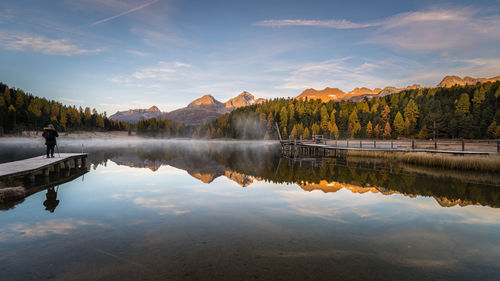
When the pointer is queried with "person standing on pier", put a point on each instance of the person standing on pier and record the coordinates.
(50, 134)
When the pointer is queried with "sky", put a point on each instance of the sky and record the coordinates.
(121, 54)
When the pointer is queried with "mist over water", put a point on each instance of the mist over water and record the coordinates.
(211, 210)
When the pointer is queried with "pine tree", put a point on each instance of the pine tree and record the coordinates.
(385, 114)
(387, 130)
(423, 133)
(369, 129)
(6, 95)
(399, 124)
(411, 114)
(491, 131)
(377, 130)
(315, 129)
(335, 131)
(63, 119)
(306, 134)
(285, 134)
(353, 126)
(283, 119)
(325, 119)
(19, 99)
(463, 104)
(294, 134)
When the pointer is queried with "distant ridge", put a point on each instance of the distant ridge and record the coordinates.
(207, 108)
(450, 81)
(359, 94)
(201, 110)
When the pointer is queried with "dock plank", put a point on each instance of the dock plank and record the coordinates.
(30, 165)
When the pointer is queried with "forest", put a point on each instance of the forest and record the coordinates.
(20, 111)
(470, 112)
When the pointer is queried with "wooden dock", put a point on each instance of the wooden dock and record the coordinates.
(41, 165)
(319, 148)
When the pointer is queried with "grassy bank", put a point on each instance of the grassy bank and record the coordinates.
(454, 162)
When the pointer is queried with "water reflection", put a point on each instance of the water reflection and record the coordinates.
(245, 163)
(223, 211)
(51, 202)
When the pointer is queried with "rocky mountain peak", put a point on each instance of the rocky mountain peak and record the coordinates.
(205, 100)
(243, 99)
(153, 108)
(449, 81)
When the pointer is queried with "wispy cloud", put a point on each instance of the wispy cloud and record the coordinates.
(163, 71)
(344, 73)
(42, 44)
(71, 100)
(338, 24)
(350, 72)
(159, 39)
(42, 229)
(429, 30)
(140, 7)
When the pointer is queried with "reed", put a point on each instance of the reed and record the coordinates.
(454, 162)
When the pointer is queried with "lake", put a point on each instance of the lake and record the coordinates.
(202, 210)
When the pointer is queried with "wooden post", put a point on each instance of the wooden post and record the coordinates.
(374, 143)
(347, 143)
(392, 144)
(278, 130)
(498, 146)
(463, 145)
(360, 144)
(435, 144)
(412, 144)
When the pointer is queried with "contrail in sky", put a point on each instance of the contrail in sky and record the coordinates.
(125, 13)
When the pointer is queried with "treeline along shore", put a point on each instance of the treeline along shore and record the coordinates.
(469, 112)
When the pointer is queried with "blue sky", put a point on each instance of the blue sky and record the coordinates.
(120, 54)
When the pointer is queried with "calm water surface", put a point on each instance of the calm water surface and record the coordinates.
(236, 211)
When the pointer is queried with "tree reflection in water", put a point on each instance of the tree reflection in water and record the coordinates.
(244, 162)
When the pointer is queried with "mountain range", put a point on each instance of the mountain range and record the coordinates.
(207, 108)
(201, 110)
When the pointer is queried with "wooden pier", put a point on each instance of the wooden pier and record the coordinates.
(32, 167)
(319, 147)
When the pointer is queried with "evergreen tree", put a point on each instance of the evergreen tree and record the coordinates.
(387, 130)
(369, 129)
(283, 119)
(463, 104)
(377, 131)
(315, 129)
(399, 124)
(411, 114)
(422, 134)
(306, 134)
(385, 114)
(335, 131)
(492, 128)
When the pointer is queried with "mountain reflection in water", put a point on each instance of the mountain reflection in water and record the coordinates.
(261, 161)
(205, 210)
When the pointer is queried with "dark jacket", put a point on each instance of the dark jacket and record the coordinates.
(50, 136)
